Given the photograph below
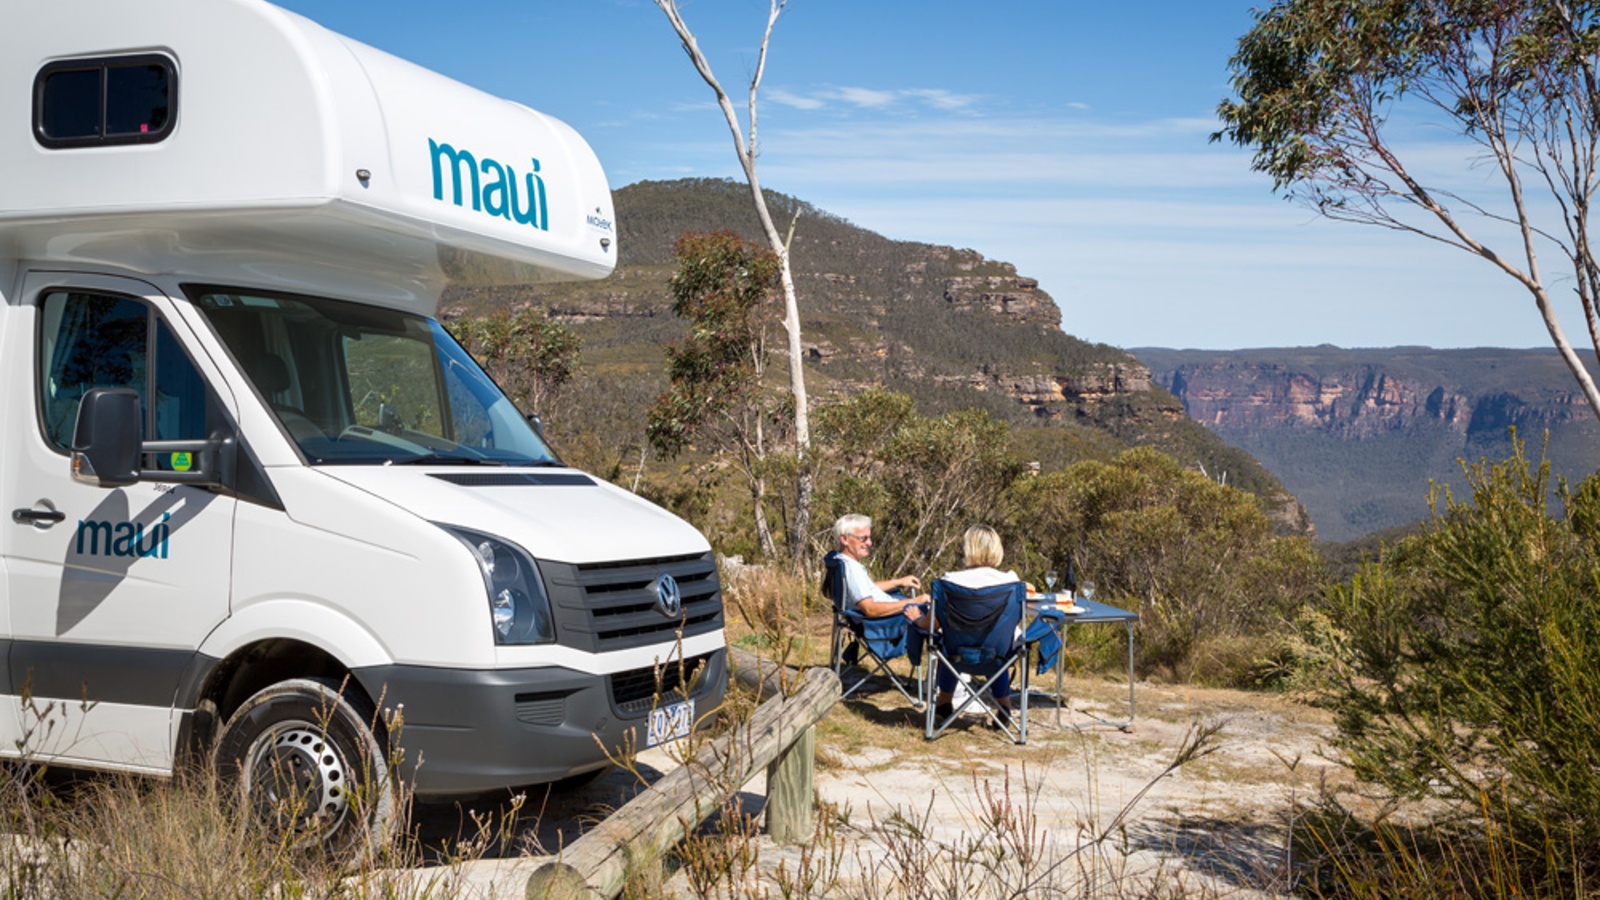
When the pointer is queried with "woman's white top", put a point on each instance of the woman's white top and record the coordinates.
(981, 577)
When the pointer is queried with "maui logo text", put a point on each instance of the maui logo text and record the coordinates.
(124, 538)
(490, 186)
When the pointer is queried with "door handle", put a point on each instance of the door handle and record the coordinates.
(37, 516)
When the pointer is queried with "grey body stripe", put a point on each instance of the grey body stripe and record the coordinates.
(96, 672)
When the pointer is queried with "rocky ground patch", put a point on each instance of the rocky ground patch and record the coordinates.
(1077, 811)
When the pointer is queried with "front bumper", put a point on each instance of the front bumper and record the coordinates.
(468, 731)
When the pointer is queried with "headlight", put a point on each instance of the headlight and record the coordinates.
(518, 606)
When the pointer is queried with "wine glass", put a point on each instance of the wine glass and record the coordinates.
(1087, 589)
(1050, 577)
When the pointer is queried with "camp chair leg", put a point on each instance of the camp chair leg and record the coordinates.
(983, 696)
(878, 666)
(1022, 726)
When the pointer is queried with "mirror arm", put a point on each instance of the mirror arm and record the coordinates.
(207, 457)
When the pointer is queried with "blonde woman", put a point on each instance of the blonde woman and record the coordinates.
(983, 553)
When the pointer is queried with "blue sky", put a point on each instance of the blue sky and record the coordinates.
(1065, 136)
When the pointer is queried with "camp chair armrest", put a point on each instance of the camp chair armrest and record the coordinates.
(1047, 622)
(855, 616)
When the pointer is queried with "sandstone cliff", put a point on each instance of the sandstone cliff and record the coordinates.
(1358, 435)
(1359, 400)
(946, 325)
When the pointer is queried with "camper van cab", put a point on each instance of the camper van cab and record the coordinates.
(259, 499)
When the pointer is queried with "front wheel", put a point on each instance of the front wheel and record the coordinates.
(310, 767)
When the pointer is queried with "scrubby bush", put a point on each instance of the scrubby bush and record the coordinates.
(531, 355)
(1214, 586)
(922, 480)
(1462, 666)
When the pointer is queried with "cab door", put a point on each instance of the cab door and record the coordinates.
(111, 590)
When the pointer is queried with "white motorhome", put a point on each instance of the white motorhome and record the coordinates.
(258, 498)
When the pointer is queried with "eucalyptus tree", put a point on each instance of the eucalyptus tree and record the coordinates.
(724, 286)
(747, 150)
(529, 354)
(1330, 94)
(922, 480)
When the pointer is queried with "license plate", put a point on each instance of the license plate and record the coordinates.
(668, 723)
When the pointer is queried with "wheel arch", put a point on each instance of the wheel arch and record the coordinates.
(269, 643)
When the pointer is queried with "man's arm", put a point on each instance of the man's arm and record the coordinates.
(904, 581)
(872, 607)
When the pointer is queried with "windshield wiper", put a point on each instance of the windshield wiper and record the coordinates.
(443, 459)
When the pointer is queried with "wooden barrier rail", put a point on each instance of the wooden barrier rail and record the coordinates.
(757, 673)
(778, 736)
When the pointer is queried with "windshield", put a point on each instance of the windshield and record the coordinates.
(362, 385)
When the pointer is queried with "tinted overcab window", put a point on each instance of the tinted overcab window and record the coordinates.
(109, 100)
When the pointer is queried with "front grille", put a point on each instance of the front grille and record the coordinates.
(613, 605)
(635, 691)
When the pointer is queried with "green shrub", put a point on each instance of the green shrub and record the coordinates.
(1197, 560)
(1462, 665)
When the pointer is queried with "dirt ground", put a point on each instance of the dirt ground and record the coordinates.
(1099, 805)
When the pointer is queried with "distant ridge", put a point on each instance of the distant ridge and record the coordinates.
(944, 325)
(1357, 434)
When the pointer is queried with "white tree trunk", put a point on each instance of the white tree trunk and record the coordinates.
(791, 306)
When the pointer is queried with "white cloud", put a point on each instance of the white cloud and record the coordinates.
(942, 99)
(965, 154)
(1143, 231)
(852, 98)
(786, 98)
(866, 97)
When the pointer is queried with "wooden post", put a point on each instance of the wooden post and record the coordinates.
(598, 863)
(791, 781)
(791, 790)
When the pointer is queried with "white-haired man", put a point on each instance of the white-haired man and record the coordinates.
(861, 592)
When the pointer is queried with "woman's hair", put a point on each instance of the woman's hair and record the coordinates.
(981, 545)
(850, 524)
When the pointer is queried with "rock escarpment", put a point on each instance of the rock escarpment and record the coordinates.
(947, 326)
(1358, 400)
(1359, 435)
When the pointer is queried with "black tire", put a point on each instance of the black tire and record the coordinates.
(310, 768)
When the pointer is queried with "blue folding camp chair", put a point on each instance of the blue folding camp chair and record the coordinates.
(868, 643)
(977, 633)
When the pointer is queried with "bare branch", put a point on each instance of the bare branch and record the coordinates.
(1317, 84)
(761, 68)
(791, 319)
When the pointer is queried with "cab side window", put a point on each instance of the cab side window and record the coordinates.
(92, 340)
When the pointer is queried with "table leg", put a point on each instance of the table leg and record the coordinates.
(1061, 662)
(1124, 724)
(1131, 710)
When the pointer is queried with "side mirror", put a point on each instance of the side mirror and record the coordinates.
(106, 438)
(537, 421)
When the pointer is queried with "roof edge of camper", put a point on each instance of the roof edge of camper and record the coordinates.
(288, 156)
